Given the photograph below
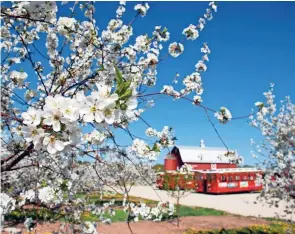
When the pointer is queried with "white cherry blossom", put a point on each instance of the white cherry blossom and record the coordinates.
(65, 25)
(53, 144)
(176, 49)
(224, 115)
(46, 194)
(32, 116)
(31, 133)
(54, 118)
(142, 9)
(191, 32)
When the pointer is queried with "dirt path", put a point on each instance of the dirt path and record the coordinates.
(197, 223)
(149, 227)
(241, 204)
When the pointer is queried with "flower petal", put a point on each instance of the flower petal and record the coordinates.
(56, 126)
(51, 149)
(59, 145)
(99, 117)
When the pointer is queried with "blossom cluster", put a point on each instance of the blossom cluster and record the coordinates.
(275, 153)
(142, 211)
(142, 149)
(191, 32)
(142, 8)
(192, 82)
(186, 168)
(7, 204)
(176, 49)
(56, 126)
(224, 115)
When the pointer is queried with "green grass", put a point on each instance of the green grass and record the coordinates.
(120, 216)
(199, 211)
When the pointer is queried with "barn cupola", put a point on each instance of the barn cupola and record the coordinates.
(202, 143)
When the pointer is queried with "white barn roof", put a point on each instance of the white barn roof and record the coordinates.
(191, 154)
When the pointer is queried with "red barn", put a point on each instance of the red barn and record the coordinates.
(200, 158)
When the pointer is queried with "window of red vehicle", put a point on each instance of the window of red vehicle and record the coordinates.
(199, 177)
(223, 178)
(230, 179)
(209, 178)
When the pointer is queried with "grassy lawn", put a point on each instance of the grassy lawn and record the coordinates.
(120, 216)
(199, 211)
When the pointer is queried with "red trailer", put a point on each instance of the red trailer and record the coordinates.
(219, 181)
(230, 180)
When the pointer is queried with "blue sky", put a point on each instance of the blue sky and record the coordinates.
(252, 44)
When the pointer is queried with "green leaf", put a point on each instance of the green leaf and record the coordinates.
(119, 77)
(123, 87)
(126, 95)
(123, 106)
(43, 183)
(10, 190)
(127, 84)
(101, 68)
(156, 148)
(64, 185)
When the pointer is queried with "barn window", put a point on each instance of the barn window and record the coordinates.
(244, 177)
(237, 177)
(213, 177)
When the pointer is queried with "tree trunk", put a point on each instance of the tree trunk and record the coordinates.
(177, 207)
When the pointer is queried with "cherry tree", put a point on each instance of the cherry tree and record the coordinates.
(276, 153)
(68, 88)
(179, 185)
